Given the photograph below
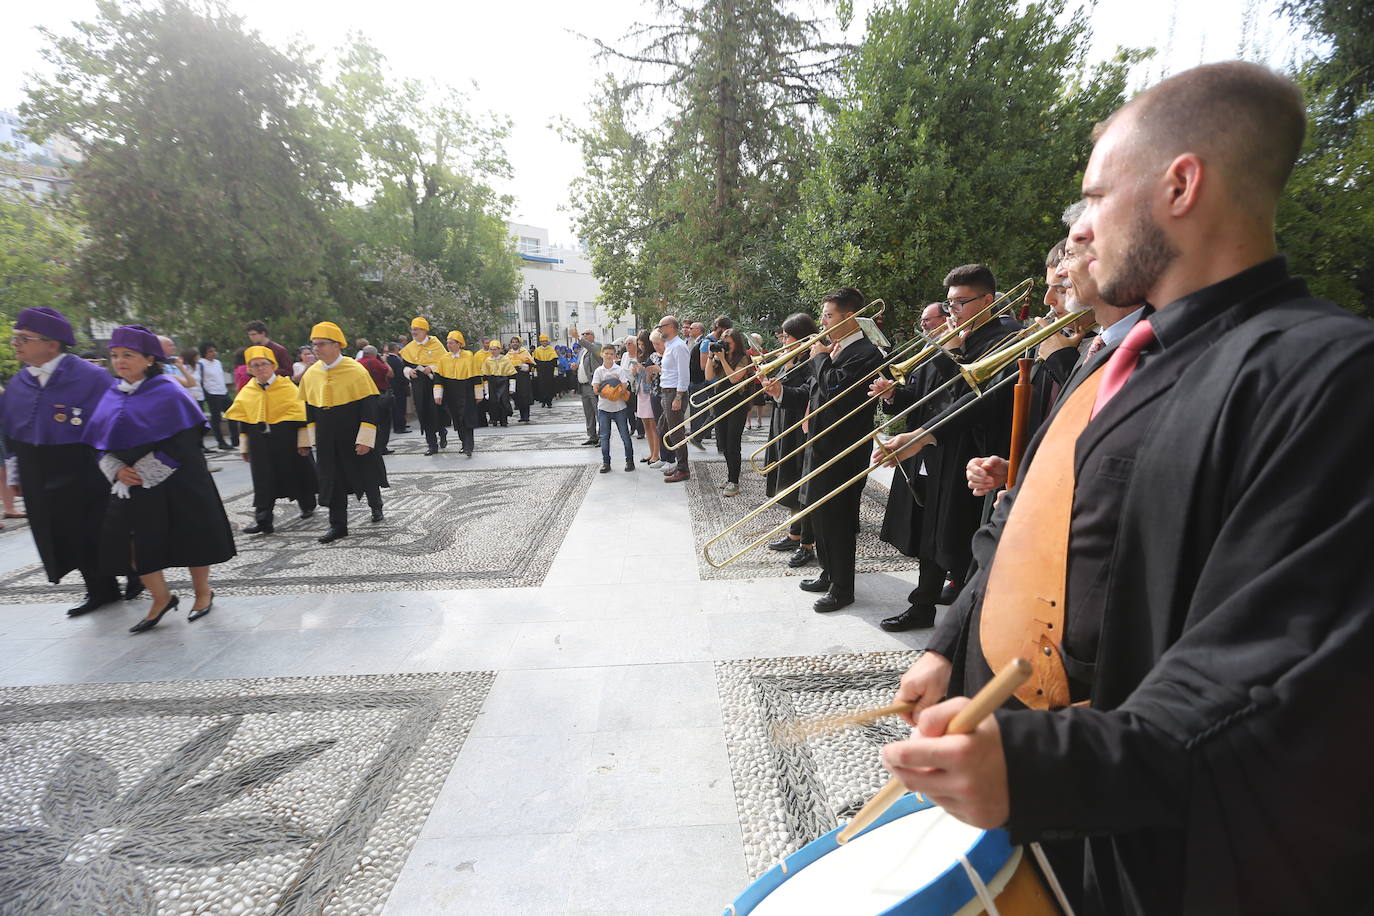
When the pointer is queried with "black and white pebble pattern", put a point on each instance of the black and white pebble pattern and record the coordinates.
(789, 793)
(285, 795)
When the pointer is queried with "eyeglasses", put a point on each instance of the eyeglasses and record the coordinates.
(18, 339)
(949, 304)
(316, 344)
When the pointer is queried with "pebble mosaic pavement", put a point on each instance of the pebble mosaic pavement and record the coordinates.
(438, 545)
(282, 796)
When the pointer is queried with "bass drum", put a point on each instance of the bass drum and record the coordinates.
(915, 859)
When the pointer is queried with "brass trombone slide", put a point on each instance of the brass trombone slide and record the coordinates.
(976, 374)
(996, 308)
(763, 365)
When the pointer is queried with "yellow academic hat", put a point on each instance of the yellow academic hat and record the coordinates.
(418, 322)
(329, 331)
(543, 338)
(458, 336)
(253, 353)
(494, 343)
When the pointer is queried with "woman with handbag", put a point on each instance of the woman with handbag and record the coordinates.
(612, 406)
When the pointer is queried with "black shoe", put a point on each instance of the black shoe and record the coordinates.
(443, 441)
(257, 528)
(147, 623)
(132, 589)
(819, 584)
(333, 534)
(831, 601)
(388, 451)
(431, 451)
(197, 613)
(306, 513)
(91, 603)
(468, 452)
(784, 543)
(950, 593)
(405, 429)
(630, 465)
(605, 469)
(377, 515)
(225, 447)
(592, 442)
(916, 617)
(802, 557)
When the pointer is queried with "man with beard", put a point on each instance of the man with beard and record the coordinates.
(43, 416)
(1193, 525)
(970, 426)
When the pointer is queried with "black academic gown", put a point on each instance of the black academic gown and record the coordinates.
(952, 513)
(831, 393)
(904, 515)
(341, 468)
(179, 522)
(1221, 767)
(524, 387)
(545, 380)
(278, 468)
(65, 498)
(789, 471)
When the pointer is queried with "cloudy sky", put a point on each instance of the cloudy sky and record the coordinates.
(525, 60)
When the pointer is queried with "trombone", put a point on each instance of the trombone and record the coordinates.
(763, 364)
(975, 374)
(998, 307)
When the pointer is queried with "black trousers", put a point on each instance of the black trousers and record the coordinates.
(836, 527)
(99, 585)
(398, 409)
(338, 506)
(730, 438)
(263, 514)
(929, 583)
(215, 404)
(803, 530)
(384, 430)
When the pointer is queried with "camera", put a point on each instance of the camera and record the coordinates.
(716, 346)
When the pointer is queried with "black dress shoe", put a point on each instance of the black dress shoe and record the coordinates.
(431, 451)
(306, 513)
(950, 593)
(377, 515)
(801, 557)
(819, 584)
(592, 442)
(256, 528)
(916, 617)
(831, 601)
(199, 612)
(468, 452)
(147, 623)
(133, 588)
(388, 451)
(91, 603)
(784, 543)
(333, 534)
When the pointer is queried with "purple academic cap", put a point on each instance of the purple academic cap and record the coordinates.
(138, 338)
(47, 322)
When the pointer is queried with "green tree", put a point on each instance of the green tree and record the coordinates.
(695, 205)
(1326, 217)
(959, 137)
(427, 165)
(398, 286)
(208, 174)
(40, 241)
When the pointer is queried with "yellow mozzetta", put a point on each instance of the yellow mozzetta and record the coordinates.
(279, 402)
(423, 354)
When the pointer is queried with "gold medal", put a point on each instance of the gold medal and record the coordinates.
(60, 417)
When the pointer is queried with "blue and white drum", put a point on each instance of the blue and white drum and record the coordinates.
(915, 859)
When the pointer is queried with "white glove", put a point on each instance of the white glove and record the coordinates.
(410, 372)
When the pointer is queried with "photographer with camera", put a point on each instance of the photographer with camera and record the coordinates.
(728, 360)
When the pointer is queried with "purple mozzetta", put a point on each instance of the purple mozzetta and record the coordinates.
(157, 409)
(58, 413)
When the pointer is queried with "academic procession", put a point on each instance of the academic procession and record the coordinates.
(1055, 602)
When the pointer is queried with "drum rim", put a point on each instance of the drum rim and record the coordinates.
(945, 894)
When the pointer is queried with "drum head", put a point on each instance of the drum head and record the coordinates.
(907, 862)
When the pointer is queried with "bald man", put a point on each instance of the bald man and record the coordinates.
(1187, 554)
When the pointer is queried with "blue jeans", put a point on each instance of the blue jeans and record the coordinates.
(604, 419)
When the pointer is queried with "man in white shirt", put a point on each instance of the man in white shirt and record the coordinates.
(674, 377)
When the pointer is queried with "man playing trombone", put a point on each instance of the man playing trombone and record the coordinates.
(829, 397)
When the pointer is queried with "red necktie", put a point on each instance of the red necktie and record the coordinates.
(1098, 343)
(1122, 363)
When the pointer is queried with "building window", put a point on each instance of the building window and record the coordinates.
(551, 311)
(528, 244)
(591, 314)
(529, 312)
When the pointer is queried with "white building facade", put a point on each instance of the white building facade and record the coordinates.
(566, 291)
(30, 168)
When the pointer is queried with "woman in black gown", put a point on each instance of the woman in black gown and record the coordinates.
(164, 509)
(798, 540)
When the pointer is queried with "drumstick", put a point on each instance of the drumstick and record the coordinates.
(795, 732)
(986, 701)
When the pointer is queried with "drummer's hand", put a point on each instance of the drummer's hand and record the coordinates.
(924, 683)
(986, 474)
(882, 388)
(964, 774)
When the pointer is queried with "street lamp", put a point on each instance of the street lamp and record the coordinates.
(572, 315)
(533, 295)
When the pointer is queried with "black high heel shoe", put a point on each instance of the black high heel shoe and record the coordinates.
(197, 613)
(147, 623)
